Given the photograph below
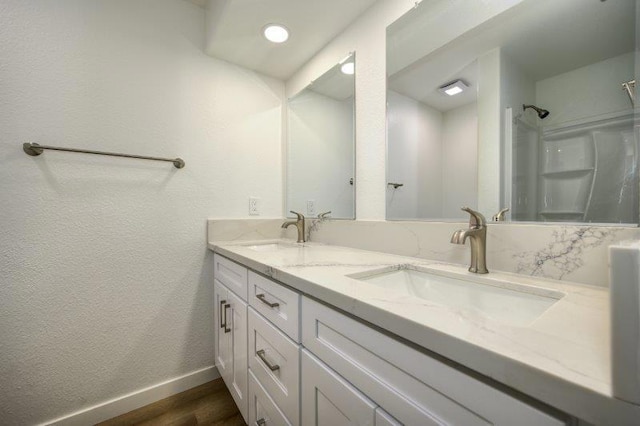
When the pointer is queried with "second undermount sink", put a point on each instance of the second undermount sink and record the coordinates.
(507, 302)
(272, 246)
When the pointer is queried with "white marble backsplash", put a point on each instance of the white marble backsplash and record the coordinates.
(575, 253)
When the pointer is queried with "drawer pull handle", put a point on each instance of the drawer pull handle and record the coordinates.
(222, 323)
(226, 330)
(266, 302)
(261, 422)
(260, 354)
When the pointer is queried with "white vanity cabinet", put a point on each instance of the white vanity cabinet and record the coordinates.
(263, 411)
(230, 329)
(231, 343)
(411, 386)
(231, 274)
(274, 360)
(290, 360)
(278, 304)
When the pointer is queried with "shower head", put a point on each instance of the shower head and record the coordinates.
(542, 113)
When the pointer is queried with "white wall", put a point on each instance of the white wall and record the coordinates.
(434, 155)
(519, 168)
(320, 154)
(105, 278)
(587, 92)
(459, 161)
(489, 132)
(367, 36)
(414, 159)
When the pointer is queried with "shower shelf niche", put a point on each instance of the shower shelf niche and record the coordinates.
(568, 167)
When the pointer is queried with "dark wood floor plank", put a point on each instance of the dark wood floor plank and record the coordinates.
(236, 420)
(208, 404)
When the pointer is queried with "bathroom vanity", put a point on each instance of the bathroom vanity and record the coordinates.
(319, 334)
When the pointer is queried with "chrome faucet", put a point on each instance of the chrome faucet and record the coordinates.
(299, 223)
(477, 234)
(500, 216)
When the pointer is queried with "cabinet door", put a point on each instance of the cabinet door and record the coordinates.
(329, 400)
(237, 377)
(416, 389)
(222, 339)
(263, 411)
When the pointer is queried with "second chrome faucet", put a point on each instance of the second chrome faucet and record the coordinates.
(477, 235)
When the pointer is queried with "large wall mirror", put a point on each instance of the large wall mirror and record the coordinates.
(321, 145)
(531, 109)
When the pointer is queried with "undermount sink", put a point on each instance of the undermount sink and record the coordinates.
(272, 246)
(507, 302)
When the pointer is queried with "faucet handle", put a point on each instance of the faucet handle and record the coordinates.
(300, 215)
(476, 219)
(324, 215)
(500, 216)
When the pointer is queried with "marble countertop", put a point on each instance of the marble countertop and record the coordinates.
(562, 358)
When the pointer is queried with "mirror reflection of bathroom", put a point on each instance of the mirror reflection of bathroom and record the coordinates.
(432, 144)
(572, 143)
(321, 145)
(542, 122)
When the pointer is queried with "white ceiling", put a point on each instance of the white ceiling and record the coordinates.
(235, 31)
(545, 37)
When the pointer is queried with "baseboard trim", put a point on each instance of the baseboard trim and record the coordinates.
(134, 400)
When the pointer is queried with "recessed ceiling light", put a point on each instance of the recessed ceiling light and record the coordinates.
(276, 33)
(453, 88)
(348, 68)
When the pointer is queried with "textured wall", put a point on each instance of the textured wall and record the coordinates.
(105, 279)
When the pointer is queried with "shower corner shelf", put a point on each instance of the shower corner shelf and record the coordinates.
(550, 212)
(568, 171)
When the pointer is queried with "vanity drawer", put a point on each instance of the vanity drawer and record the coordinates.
(411, 386)
(276, 303)
(274, 359)
(262, 410)
(232, 275)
